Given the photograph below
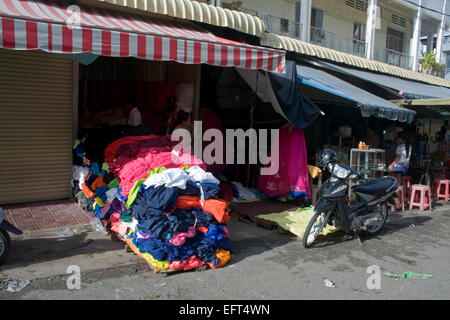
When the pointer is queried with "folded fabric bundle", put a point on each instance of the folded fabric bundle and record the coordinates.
(171, 208)
(216, 207)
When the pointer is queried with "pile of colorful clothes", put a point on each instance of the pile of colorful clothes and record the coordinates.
(164, 204)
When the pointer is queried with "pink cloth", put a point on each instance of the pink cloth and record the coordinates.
(188, 264)
(179, 238)
(226, 233)
(292, 176)
(116, 224)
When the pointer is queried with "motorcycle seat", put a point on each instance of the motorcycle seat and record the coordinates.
(375, 186)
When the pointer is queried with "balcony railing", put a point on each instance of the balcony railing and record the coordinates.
(277, 25)
(283, 27)
(336, 42)
(393, 57)
(330, 40)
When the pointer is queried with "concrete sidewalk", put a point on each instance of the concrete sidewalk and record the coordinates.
(268, 264)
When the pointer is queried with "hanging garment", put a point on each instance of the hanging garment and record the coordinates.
(292, 176)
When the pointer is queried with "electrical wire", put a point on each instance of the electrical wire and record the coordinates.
(426, 8)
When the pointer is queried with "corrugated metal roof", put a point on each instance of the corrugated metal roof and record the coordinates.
(200, 12)
(409, 89)
(291, 44)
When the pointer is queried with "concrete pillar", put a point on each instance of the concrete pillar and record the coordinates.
(370, 28)
(305, 20)
(440, 37)
(430, 42)
(415, 46)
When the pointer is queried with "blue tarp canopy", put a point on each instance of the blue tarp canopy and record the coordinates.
(370, 104)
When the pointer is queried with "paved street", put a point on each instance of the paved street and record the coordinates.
(267, 265)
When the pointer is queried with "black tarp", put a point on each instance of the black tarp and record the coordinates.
(298, 109)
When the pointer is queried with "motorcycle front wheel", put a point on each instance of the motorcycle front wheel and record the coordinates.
(5, 243)
(315, 226)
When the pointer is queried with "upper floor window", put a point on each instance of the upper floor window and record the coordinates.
(284, 25)
(317, 34)
(316, 18)
(394, 40)
(359, 31)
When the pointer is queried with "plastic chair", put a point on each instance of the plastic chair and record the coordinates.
(445, 193)
(407, 184)
(401, 197)
(422, 201)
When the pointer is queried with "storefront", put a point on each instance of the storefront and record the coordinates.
(39, 100)
(102, 97)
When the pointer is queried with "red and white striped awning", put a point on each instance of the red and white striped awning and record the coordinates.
(56, 27)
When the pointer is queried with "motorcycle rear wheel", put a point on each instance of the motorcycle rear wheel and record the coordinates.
(5, 244)
(315, 226)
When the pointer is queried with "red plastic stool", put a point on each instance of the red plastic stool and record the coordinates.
(446, 192)
(407, 184)
(401, 198)
(419, 198)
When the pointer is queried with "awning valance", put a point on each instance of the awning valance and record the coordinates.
(371, 105)
(55, 27)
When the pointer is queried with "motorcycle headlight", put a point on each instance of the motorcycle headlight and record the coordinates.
(340, 172)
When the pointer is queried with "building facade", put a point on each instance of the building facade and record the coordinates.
(382, 30)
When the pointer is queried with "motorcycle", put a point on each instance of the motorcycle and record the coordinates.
(366, 214)
(5, 240)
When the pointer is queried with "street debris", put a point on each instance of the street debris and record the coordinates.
(97, 225)
(17, 285)
(85, 243)
(412, 225)
(65, 233)
(329, 283)
(408, 275)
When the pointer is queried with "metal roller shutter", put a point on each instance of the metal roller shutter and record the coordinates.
(35, 126)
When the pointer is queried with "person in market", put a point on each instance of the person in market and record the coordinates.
(371, 138)
(402, 155)
(400, 164)
(441, 134)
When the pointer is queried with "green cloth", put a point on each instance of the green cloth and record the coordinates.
(105, 167)
(80, 195)
(132, 195)
(295, 221)
(113, 184)
(407, 275)
(126, 217)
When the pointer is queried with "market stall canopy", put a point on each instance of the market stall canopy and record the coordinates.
(283, 92)
(423, 102)
(432, 108)
(54, 27)
(408, 89)
(370, 104)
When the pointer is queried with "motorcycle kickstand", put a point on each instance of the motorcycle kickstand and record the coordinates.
(357, 236)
